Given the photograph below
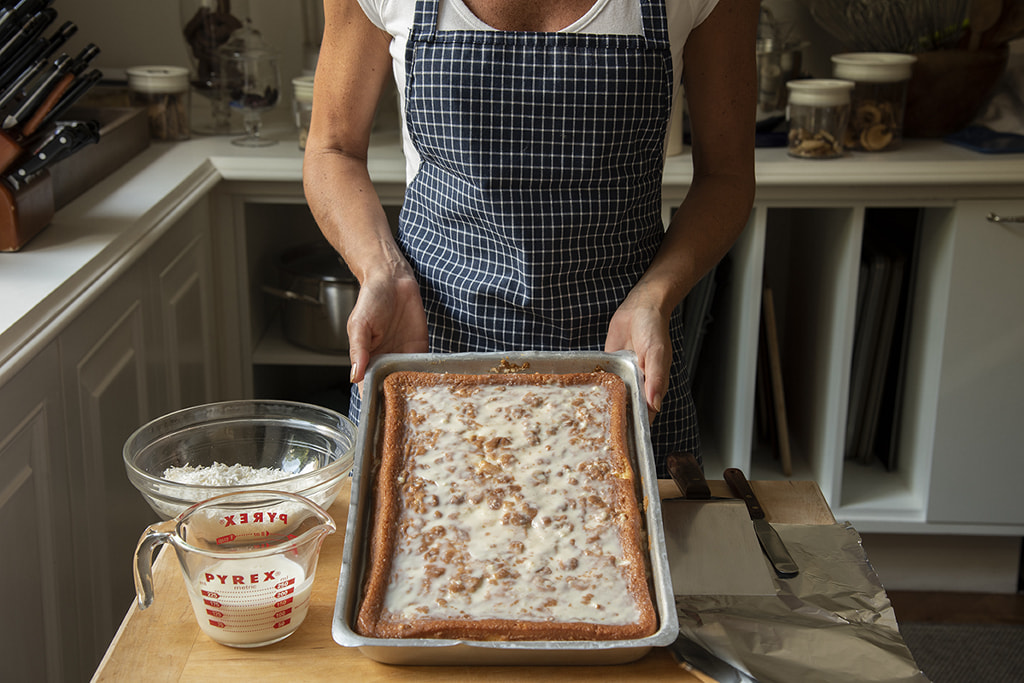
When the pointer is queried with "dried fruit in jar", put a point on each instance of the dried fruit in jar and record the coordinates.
(818, 144)
(871, 126)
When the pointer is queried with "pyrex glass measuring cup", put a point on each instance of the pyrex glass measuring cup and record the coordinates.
(248, 560)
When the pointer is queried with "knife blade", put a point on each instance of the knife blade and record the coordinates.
(27, 33)
(13, 90)
(39, 92)
(770, 541)
(40, 50)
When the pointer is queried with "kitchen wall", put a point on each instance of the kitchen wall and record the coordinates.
(139, 32)
(136, 32)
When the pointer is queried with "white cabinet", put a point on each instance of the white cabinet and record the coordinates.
(41, 617)
(142, 344)
(145, 346)
(979, 425)
(182, 283)
(105, 362)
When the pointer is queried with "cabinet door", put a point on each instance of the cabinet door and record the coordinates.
(182, 272)
(977, 468)
(105, 361)
(41, 626)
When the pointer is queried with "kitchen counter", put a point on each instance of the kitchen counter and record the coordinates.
(164, 642)
(93, 238)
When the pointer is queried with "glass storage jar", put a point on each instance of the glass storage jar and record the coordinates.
(818, 112)
(878, 99)
(163, 91)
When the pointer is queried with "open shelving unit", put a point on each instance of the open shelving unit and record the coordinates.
(806, 242)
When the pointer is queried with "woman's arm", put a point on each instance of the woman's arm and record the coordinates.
(353, 66)
(720, 82)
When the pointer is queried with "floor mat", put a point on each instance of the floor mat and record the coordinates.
(962, 653)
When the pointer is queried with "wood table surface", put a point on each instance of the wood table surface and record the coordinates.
(164, 642)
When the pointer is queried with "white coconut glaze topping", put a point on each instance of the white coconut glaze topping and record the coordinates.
(506, 512)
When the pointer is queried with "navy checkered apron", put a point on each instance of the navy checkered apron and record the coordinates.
(537, 204)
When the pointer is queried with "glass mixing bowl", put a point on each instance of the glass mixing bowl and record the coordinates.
(314, 447)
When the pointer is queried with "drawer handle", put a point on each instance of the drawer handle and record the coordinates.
(996, 218)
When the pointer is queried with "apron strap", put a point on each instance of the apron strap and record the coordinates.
(653, 14)
(424, 23)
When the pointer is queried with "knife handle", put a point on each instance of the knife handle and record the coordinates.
(741, 487)
(688, 476)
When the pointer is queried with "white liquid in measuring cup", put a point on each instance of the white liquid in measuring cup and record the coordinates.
(247, 604)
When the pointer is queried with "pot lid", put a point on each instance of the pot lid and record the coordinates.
(317, 261)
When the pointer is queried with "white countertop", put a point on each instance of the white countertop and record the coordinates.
(45, 282)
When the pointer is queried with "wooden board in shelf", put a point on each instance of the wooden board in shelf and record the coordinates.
(274, 349)
(777, 398)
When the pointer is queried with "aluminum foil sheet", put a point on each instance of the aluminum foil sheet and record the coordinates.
(832, 622)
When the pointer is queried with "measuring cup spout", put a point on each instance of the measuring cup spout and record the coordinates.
(153, 536)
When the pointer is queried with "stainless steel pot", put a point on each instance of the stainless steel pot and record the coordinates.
(318, 293)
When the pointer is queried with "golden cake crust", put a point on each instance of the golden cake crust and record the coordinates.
(505, 508)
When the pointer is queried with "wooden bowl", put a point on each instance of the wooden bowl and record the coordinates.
(948, 87)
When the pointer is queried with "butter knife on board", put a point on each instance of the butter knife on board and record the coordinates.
(770, 541)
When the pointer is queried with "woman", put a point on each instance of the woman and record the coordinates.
(534, 133)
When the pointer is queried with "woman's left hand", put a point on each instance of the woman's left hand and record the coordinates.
(640, 326)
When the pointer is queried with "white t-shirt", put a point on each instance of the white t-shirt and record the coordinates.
(620, 17)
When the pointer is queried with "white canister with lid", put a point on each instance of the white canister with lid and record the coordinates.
(164, 92)
(818, 112)
(879, 97)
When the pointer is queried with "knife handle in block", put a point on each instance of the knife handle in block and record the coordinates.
(741, 487)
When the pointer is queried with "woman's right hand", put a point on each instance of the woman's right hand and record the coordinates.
(388, 318)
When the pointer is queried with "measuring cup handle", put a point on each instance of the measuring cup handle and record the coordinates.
(153, 536)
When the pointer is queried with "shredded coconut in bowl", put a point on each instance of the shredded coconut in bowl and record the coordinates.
(219, 474)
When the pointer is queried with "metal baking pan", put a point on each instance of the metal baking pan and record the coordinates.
(430, 651)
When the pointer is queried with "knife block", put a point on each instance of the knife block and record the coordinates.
(25, 212)
(27, 209)
(9, 151)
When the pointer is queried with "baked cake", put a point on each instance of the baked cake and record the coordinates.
(506, 509)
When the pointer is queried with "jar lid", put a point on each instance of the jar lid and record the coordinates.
(303, 88)
(819, 92)
(873, 67)
(157, 79)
